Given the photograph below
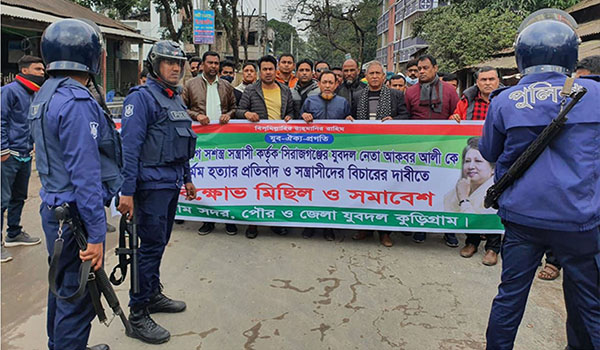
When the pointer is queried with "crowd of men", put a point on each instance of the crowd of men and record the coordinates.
(80, 163)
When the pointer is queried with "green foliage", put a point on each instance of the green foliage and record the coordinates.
(116, 9)
(283, 32)
(470, 31)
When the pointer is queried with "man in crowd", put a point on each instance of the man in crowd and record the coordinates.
(475, 100)
(248, 77)
(474, 106)
(156, 166)
(451, 79)
(588, 66)
(412, 72)
(567, 169)
(398, 82)
(227, 71)
(320, 67)
(377, 102)
(285, 70)
(77, 169)
(431, 98)
(306, 85)
(195, 66)
(209, 99)
(17, 147)
(324, 105)
(339, 75)
(143, 77)
(266, 99)
(351, 82)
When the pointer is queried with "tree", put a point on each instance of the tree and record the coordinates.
(226, 17)
(283, 32)
(183, 33)
(348, 26)
(116, 9)
(463, 33)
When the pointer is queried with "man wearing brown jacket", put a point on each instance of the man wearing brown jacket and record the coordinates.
(207, 97)
(210, 99)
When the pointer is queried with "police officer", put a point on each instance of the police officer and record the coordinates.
(556, 203)
(78, 160)
(158, 142)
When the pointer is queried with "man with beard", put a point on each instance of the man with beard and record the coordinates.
(17, 148)
(285, 70)
(195, 66)
(306, 85)
(351, 84)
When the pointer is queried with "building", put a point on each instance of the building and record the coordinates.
(256, 47)
(394, 30)
(23, 23)
(587, 15)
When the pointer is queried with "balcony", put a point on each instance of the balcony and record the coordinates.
(406, 8)
(408, 42)
(383, 23)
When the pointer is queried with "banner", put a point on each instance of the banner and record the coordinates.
(204, 27)
(396, 176)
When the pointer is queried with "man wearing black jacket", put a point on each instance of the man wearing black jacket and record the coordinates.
(351, 82)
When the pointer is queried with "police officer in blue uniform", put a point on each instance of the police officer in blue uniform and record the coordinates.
(79, 162)
(556, 203)
(158, 142)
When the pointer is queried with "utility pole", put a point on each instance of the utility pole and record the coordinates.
(292, 43)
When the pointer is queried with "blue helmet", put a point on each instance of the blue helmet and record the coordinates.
(165, 50)
(71, 44)
(547, 41)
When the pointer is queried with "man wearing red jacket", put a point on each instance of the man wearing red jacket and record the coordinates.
(475, 100)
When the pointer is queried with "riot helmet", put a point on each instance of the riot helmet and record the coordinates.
(165, 50)
(71, 44)
(547, 41)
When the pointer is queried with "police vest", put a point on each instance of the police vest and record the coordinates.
(170, 140)
(49, 163)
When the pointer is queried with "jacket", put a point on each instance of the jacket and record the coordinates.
(561, 189)
(16, 137)
(78, 151)
(141, 111)
(416, 111)
(253, 100)
(398, 106)
(336, 108)
(300, 94)
(290, 84)
(348, 91)
(194, 96)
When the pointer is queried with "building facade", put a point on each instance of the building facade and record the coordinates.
(394, 30)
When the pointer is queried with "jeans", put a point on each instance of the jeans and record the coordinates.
(15, 182)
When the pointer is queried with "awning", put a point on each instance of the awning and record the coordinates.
(17, 12)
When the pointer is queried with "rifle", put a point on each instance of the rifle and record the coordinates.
(127, 255)
(533, 151)
(97, 281)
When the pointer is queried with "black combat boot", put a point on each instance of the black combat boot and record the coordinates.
(145, 329)
(162, 303)
(99, 347)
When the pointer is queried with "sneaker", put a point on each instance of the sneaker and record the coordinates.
(251, 232)
(22, 238)
(6, 257)
(419, 237)
(206, 228)
(110, 228)
(328, 234)
(231, 229)
(451, 240)
(308, 232)
(282, 231)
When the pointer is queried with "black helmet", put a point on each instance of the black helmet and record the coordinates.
(164, 50)
(71, 44)
(547, 42)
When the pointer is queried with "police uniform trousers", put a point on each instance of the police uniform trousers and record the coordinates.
(579, 255)
(68, 323)
(155, 213)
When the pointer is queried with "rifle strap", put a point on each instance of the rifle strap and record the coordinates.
(95, 296)
(84, 270)
(122, 252)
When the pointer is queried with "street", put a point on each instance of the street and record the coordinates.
(286, 292)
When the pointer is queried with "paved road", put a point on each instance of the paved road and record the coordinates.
(291, 293)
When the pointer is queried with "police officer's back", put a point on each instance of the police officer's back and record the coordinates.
(556, 203)
(78, 160)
